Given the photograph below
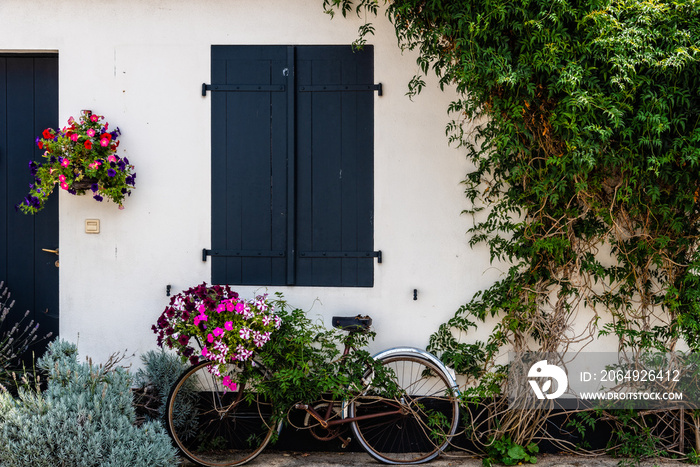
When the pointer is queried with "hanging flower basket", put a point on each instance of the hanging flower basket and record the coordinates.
(83, 184)
(80, 158)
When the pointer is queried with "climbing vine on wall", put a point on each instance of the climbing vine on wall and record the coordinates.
(582, 122)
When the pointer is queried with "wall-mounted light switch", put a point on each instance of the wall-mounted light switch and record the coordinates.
(92, 226)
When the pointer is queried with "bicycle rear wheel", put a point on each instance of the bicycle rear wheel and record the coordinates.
(213, 427)
(425, 412)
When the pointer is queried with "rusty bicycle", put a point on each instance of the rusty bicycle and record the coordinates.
(410, 424)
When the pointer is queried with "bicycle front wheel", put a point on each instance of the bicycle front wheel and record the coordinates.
(216, 427)
(415, 423)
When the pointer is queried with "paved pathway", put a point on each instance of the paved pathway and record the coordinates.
(342, 459)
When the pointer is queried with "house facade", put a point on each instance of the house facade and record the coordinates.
(267, 157)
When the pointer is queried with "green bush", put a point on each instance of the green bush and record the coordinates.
(154, 381)
(84, 418)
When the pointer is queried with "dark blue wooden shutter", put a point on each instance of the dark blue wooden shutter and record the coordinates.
(292, 165)
(335, 137)
(249, 165)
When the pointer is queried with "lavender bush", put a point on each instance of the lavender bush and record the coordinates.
(15, 337)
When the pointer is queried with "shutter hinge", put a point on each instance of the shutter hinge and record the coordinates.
(341, 87)
(243, 253)
(242, 88)
(342, 254)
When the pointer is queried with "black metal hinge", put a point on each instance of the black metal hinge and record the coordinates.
(242, 88)
(281, 88)
(342, 87)
(342, 254)
(281, 254)
(243, 253)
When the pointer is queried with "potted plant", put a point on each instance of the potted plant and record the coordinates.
(80, 158)
(212, 323)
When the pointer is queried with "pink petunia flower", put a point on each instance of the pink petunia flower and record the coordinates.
(218, 332)
(104, 142)
(111, 158)
(65, 162)
(90, 132)
(229, 325)
(74, 137)
(200, 318)
(64, 185)
(229, 383)
(61, 178)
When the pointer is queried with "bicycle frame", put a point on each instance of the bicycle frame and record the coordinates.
(327, 420)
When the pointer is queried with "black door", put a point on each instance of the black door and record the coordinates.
(28, 105)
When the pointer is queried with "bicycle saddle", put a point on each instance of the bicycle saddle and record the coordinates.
(357, 323)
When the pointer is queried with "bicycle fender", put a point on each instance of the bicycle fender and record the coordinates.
(412, 351)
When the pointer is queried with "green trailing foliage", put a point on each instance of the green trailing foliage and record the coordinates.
(505, 451)
(303, 362)
(581, 120)
(84, 418)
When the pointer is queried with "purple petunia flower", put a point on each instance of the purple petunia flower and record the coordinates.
(32, 201)
(98, 197)
(33, 167)
(111, 172)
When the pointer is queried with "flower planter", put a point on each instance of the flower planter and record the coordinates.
(77, 157)
(84, 184)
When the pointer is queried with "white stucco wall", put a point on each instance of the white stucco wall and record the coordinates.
(141, 63)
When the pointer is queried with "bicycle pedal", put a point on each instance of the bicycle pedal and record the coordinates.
(346, 442)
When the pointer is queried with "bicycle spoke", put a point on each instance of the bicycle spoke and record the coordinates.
(217, 427)
(415, 434)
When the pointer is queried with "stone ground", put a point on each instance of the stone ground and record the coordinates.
(341, 459)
